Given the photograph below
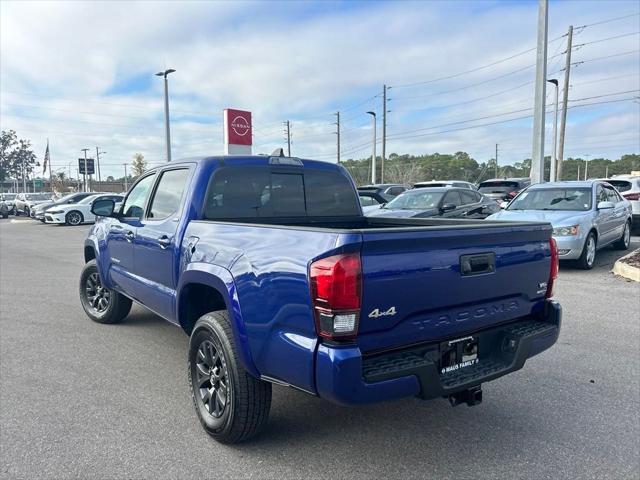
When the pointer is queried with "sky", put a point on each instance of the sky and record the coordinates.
(461, 76)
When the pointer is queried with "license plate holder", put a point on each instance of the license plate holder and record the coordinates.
(459, 353)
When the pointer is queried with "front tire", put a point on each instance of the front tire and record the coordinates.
(231, 405)
(625, 240)
(588, 257)
(101, 304)
(74, 218)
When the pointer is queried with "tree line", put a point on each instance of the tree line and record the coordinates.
(409, 169)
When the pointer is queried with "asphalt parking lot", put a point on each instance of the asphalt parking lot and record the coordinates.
(82, 400)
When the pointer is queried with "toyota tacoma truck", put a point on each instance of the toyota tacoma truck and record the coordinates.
(269, 265)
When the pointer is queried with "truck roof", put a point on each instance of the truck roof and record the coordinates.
(256, 160)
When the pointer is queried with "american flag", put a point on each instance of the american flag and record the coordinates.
(46, 158)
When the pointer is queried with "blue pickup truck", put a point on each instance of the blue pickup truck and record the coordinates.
(269, 265)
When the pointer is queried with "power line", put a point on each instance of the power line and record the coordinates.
(615, 19)
(466, 72)
(606, 39)
(606, 56)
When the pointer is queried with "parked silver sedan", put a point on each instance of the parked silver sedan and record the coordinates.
(586, 216)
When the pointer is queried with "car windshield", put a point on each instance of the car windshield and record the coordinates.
(497, 187)
(9, 196)
(38, 196)
(568, 199)
(65, 198)
(87, 200)
(415, 200)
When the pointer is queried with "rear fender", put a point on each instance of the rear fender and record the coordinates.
(221, 280)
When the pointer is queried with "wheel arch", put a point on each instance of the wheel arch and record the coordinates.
(204, 288)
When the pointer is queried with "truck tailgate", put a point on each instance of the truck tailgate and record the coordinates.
(433, 284)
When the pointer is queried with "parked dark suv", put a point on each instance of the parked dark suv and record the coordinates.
(503, 189)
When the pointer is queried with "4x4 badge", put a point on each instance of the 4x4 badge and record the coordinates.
(377, 313)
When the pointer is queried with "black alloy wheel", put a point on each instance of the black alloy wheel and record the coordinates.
(211, 378)
(96, 295)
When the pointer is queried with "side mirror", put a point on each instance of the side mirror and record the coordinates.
(605, 205)
(103, 208)
(447, 207)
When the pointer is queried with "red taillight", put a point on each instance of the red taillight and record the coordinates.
(513, 194)
(335, 294)
(555, 265)
(632, 196)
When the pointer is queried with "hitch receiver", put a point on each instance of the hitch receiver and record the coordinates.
(471, 396)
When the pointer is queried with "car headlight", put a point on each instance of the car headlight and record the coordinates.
(54, 212)
(566, 231)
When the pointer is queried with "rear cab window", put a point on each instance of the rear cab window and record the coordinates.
(272, 192)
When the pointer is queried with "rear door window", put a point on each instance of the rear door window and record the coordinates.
(468, 197)
(452, 197)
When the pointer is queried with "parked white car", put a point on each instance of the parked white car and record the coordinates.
(77, 213)
(629, 188)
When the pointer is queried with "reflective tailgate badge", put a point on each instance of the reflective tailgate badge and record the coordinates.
(377, 313)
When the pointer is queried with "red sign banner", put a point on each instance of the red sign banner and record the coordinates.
(238, 127)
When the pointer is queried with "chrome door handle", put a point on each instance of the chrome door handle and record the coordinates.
(164, 241)
(129, 235)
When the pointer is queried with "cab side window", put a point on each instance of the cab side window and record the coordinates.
(134, 204)
(168, 195)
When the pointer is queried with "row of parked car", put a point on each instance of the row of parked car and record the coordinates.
(71, 209)
(586, 216)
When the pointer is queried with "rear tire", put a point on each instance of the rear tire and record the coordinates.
(101, 304)
(241, 403)
(625, 240)
(588, 258)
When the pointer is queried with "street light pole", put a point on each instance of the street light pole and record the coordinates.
(166, 110)
(373, 156)
(554, 158)
(98, 153)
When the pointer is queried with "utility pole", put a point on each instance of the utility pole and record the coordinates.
(552, 170)
(496, 161)
(586, 166)
(565, 99)
(287, 132)
(126, 186)
(24, 178)
(166, 110)
(373, 156)
(578, 173)
(384, 132)
(537, 155)
(85, 168)
(337, 114)
(98, 153)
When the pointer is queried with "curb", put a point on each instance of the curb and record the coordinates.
(625, 270)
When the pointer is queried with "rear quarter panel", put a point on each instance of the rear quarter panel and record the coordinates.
(269, 268)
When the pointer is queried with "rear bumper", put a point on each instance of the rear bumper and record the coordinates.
(344, 376)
